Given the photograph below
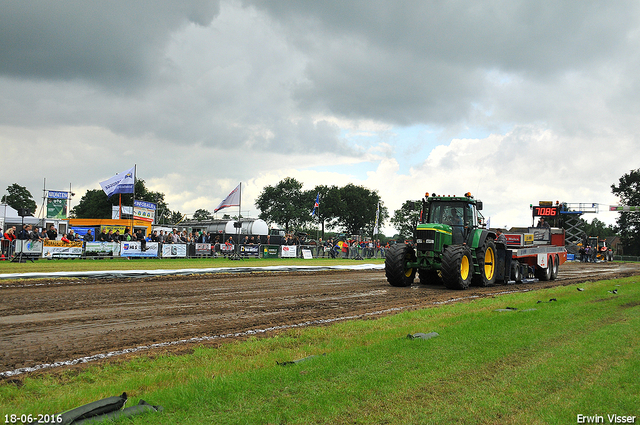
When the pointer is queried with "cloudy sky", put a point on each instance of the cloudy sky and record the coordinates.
(515, 101)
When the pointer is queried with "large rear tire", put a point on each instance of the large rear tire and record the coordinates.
(544, 273)
(394, 265)
(554, 269)
(486, 256)
(457, 267)
(516, 272)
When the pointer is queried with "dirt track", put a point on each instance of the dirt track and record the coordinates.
(58, 320)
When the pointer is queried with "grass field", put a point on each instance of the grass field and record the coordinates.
(44, 265)
(546, 362)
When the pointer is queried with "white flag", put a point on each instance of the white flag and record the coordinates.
(120, 183)
(232, 200)
(375, 228)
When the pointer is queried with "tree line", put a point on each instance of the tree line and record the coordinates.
(349, 208)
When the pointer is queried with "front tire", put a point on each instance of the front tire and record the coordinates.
(394, 265)
(457, 267)
(486, 256)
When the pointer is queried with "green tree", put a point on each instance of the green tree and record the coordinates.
(327, 212)
(284, 204)
(628, 223)
(19, 197)
(598, 228)
(356, 210)
(176, 217)
(202, 215)
(93, 204)
(405, 219)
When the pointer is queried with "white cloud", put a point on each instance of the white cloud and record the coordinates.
(515, 101)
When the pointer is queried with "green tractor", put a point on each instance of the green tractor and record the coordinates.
(450, 246)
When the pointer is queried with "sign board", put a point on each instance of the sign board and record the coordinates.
(306, 254)
(270, 251)
(289, 251)
(203, 249)
(624, 208)
(107, 249)
(173, 250)
(57, 208)
(28, 247)
(250, 250)
(56, 194)
(543, 211)
(519, 239)
(143, 210)
(60, 249)
(134, 249)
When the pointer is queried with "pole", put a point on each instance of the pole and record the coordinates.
(239, 228)
(44, 197)
(135, 172)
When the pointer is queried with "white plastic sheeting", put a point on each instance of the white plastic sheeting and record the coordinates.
(167, 272)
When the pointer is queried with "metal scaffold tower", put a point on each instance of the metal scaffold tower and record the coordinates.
(570, 213)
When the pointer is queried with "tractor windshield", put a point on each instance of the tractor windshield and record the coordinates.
(459, 215)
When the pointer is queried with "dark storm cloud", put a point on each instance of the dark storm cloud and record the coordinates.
(424, 62)
(114, 43)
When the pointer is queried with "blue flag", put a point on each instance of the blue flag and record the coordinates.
(316, 205)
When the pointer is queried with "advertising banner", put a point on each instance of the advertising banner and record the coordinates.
(134, 249)
(143, 210)
(250, 250)
(29, 247)
(270, 251)
(57, 208)
(203, 249)
(106, 249)
(289, 251)
(174, 250)
(226, 248)
(56, 194)
(113, 228)
(60, 249)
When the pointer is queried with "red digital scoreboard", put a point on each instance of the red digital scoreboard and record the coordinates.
(544, 211)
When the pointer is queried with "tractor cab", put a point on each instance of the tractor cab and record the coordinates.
(461, 216)
(460, 213)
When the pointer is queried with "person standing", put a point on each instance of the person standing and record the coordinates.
(10, 237)
(501, 237)
(542, 223)
(52, 233)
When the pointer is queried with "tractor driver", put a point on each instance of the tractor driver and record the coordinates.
(458, 226)
(456, 220)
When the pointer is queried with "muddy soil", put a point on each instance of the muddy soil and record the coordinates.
(43, 322)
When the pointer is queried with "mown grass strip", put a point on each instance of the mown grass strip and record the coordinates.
(44, 265)
(577, 355)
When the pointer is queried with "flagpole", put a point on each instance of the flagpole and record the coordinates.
(135, 170)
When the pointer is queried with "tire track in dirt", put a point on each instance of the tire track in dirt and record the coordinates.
(53, 322)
